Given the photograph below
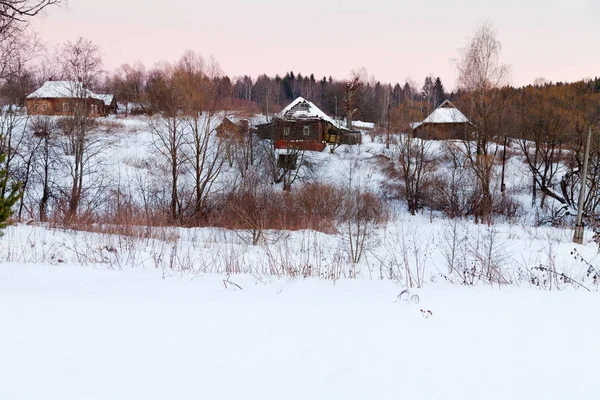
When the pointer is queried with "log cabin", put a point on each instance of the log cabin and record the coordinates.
(65, 98)
(232, 127)
(303, 126)
(445, 122)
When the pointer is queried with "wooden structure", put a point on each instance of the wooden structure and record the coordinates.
(303, 126)
(232, 127)
(445, 122)
(65, 98)
(110, 103)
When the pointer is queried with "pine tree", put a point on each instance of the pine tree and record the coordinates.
(438, 92)
(10, 194)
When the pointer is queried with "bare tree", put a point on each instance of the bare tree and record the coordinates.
(252, 207)
(352, 88)
(456, 184)
(200, 107)
(481, 76)
(80, 61)
(416, 164)
(45, 160)
(81, 65)
(16, 14)
(543, 129)
(168, 131)
(362, 211)
(128, 84)
(15, 42)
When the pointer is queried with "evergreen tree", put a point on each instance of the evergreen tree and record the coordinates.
(287, 85)
(397, 95)
(438, 92)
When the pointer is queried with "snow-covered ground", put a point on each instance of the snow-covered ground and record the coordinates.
(82, 333)
(201, 313)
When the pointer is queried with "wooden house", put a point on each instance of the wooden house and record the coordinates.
(232, 127)
(110, 103)
(65, 98)
(303, 126)
(445, 122)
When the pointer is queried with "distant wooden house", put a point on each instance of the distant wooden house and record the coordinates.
(445, 122)
(110, 103)
(232, 127)
(65, 98)
(303, 126)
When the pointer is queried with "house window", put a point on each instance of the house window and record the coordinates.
(286, 131)
(306, 130)
(65, 107)
(44, 107)
(36, 107)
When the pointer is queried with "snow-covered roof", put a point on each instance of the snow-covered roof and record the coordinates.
(61, 89)
(301, 108)
(67, 90)
(106, 98)
(446, 113)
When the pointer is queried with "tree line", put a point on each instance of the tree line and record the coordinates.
(61, 169)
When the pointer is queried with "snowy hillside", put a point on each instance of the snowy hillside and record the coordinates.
(434, 307)
(412, 250)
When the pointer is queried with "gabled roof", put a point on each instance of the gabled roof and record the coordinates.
(61, 90)
(446, 113)
(68, 90)
(106, 98)
(302, 109)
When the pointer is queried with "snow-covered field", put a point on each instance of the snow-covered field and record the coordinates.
(189, 313)
(82, 333)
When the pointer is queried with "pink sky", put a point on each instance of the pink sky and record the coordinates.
(555, 39)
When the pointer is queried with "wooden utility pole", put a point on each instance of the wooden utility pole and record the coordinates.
(578, 235)
(502, 184)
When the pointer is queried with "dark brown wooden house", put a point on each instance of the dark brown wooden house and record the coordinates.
(64, 98)
(110, 103)
(445, 122)
(232, 127)
(303, 126)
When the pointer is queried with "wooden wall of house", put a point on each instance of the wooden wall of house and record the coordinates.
(63, 107)
(296, 130)
(111, 108)
(320, 132)
(453, 131)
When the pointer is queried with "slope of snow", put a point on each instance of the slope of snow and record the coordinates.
(79, 333)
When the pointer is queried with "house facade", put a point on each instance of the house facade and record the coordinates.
(66, 98)
(303, 126)
(445, 122)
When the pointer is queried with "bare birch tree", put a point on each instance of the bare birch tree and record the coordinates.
(481, 76)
